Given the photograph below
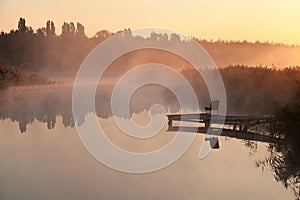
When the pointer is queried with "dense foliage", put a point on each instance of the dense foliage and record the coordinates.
(288, 117)
(251, 90)
(43, 50)
(284, 159)
(11, 76)
(8, 76)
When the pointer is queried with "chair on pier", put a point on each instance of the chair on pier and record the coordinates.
(214, 106)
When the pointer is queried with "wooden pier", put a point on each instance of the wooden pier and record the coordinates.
(241, 123)
(234, 126)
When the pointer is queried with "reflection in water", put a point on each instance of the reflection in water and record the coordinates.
(284, 162)
(26, 105)
(229, 171)
(40, 165)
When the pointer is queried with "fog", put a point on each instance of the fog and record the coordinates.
(56, 165)
(59, 56)
(251, 91)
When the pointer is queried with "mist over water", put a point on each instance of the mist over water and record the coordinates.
(43, 157)
(47, 162)
(250, 91)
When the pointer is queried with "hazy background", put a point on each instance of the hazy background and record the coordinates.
(253, 43)
(253, 20)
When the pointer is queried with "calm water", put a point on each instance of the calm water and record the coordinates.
(41, 156)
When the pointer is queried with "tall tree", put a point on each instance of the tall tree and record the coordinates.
(65, 30)
(22, 25)
(72, 29)
(80, 30)
(50, 29)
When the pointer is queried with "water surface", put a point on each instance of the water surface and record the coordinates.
(42, 156)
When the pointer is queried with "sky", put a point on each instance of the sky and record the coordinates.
(264, 20)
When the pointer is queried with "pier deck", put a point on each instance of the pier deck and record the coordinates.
(241, 123)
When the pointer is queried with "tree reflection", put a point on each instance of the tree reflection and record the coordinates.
(284, 160)
(24, 106)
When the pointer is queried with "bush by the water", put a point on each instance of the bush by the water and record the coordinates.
(251, 90)
(11, 76)
(288, 120)
(8, 76)
(284, 159)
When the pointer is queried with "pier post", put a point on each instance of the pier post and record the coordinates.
(234, 127)
(170, 124)
(206, 124)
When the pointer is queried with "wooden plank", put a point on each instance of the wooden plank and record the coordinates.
(243, 122)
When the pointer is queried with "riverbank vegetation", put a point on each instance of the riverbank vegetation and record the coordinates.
(251, 90)
(284, 160)
(60, 54)
(11, 76)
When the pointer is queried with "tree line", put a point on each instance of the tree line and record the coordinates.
(45, 51)
(68, 30)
